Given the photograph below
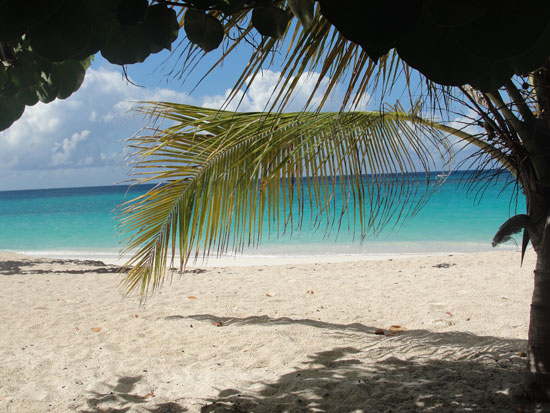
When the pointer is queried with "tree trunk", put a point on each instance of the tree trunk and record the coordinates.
(538, 374)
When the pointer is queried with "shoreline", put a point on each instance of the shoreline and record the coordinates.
(261, 257)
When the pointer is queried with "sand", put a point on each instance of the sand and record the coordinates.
(277, 338)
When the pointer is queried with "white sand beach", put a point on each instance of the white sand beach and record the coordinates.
(296, 337)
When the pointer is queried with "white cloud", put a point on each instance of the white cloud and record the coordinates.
(87, 132)
(264, 89)
(62, 151)
(74, 133)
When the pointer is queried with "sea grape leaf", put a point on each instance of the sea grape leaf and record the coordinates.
(231, 6)
(49, 85)
(367, 23)
(433, 52)
(127, 44)
(504, 32)
(270, 21)
(497, 75)
(10, 111)
(101, 19)
(24, 71)
(3, 75)
(452, 13)
(27, 96)
(63, 34)
(70, 76)
(8, 89)
(162, 26)
(130, 12)
(535, 56)
(303, 10)
(203, 29)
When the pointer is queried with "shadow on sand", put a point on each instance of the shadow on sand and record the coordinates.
(449, 372)
(445, 372)
(120, 399)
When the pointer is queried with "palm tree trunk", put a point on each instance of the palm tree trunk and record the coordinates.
(538, 373)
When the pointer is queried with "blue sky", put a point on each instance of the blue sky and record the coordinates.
(81, 141)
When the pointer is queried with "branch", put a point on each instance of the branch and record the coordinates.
(519, 102)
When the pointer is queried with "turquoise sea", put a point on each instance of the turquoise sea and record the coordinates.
(76, 221)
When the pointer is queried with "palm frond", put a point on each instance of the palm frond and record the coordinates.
(320, 49)
(224, 172)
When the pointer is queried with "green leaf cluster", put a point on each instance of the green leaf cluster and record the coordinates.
(204, 28)
(46, 47)
(452, 42)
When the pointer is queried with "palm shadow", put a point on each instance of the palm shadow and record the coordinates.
(440, 371)
(120, 399)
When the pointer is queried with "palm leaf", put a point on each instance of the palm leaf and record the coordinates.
(223, 172)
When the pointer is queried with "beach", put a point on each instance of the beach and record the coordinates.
(406, 333)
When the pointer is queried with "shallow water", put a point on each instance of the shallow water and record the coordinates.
(455, 219)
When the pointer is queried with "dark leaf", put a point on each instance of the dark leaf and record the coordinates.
(130, 12)
(64, 34)
(203, 29)
(27, 96)
(10, 111)
(24, 70)
(127, 44)
(162, 26)
(303, 10)
(510, 227)
(71, 75)
(270, 21)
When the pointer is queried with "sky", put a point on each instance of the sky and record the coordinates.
(80, 141)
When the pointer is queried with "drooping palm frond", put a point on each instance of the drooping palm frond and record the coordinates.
(223, 172)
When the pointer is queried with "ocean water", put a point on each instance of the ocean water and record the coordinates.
(77, 221)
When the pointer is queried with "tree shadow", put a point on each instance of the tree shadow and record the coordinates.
(413, 371)
(120, 398)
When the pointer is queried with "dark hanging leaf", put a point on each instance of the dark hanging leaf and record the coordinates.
(71, 75)
(101, 20)
(510, 227)
(367, 23)
(127, 44)
(497, 75)
(17, 16)
(9, 89)
(231, 6)
(27, 96)
(49, 85)
(504, 31)
(3, 75)
(130, 12)
(203, 29)
(162, 26)
(10, 29)
(375, 53)
(433, 52)
(10, 111)
(303, 10)
(270, 21)
(535, 56)
(24, 70)
(452, 13)
(64, 34)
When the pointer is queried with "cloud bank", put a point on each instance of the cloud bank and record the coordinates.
(80, 141)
